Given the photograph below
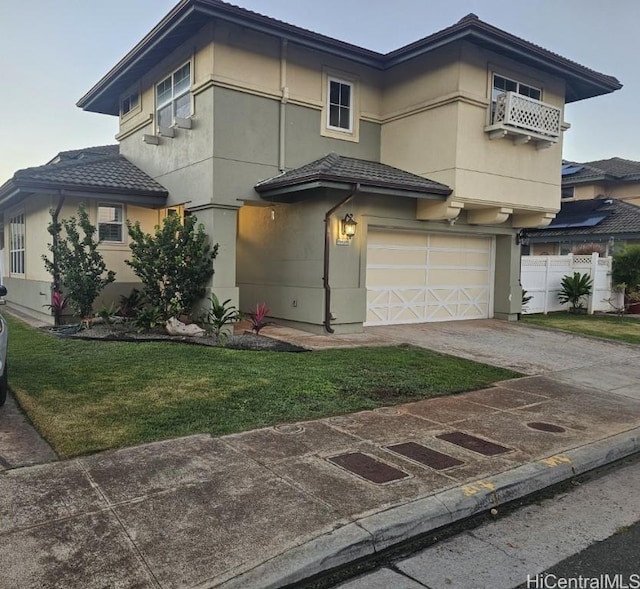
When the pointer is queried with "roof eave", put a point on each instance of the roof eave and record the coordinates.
(504, 43)
(103, 97)
(95, 101)
(292, 191)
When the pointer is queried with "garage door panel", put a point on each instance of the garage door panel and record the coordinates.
(416, 277)
(398, 277)
(389, 256)
(390, 238)
(457, 277)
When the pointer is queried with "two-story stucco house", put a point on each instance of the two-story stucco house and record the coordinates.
(345, 187)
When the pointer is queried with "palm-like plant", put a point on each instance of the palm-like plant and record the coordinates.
(574, 289)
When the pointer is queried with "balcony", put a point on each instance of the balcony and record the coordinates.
(525, 119)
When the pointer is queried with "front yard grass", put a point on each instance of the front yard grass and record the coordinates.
(613, 327)
(87, 396)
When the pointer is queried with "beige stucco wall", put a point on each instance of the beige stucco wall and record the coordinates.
(627, 191)
(434, 127)
(29, 293)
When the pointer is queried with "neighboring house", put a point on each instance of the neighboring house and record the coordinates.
(279, 139)
(613, 178)
(609, 222)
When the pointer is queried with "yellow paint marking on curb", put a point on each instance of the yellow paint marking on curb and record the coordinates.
(474, 488)
(556, 460)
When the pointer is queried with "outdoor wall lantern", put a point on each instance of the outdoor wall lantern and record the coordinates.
(348, 225)
(522, 238)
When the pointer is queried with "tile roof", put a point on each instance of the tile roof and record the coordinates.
(92, 169)
(615, 168)
(338, 168)
(189, 16)
(619, 218)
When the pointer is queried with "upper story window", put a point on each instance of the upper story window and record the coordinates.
(517, 111)
(129, 102)
(568, 192)
(339, 101)
(111, 223)
(173, 99)
(501, 85)
(16, 244)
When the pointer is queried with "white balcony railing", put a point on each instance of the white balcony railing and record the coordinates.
(520, 115)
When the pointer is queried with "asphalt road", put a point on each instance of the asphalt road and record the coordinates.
(617, 558)
(590, 530)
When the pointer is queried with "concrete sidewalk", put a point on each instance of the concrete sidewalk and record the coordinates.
(273, 506)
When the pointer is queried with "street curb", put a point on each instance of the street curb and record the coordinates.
(377, 532)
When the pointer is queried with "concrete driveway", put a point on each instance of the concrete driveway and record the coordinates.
(528, 350)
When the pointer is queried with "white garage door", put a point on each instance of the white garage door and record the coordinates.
(417, 277)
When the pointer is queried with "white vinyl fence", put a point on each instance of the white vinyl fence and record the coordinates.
(541, 277)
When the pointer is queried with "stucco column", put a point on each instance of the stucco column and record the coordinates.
(508, 292)
(220, 224)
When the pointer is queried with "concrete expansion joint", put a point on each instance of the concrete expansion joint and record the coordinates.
(111, 508)
(400, 572)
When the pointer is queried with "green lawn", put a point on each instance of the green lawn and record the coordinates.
(86, 396)
(624, 329)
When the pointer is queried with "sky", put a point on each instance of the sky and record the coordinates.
(53, 52)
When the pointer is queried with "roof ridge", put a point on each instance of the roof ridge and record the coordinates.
(75, 163)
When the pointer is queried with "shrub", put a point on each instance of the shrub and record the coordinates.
(574, 288)
(149, 318)
(626, 267)
(586, 249)
(174, 264)
(76, 262)
(131, 304)
(219, 314)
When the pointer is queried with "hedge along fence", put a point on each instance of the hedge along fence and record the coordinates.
(541, 277)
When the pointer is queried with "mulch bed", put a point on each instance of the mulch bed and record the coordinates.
(124, 333)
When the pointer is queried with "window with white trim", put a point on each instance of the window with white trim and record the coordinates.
(339, 105)
(129, 102)
(111, 223)
(502, 85)
(16, 244)
(173, 97)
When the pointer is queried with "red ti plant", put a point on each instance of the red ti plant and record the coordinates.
(258, 318)
(58, 305)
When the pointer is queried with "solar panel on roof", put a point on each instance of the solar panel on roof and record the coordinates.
(569, 169)
(591, 221)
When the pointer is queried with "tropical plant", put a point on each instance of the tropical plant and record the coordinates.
(57, 306)
(219, 314)
(574, 289)
(131, 304)
(107, 313)
(149, 318)
(258, 318)
(76, 262)
(174, 264)
(526, 297)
